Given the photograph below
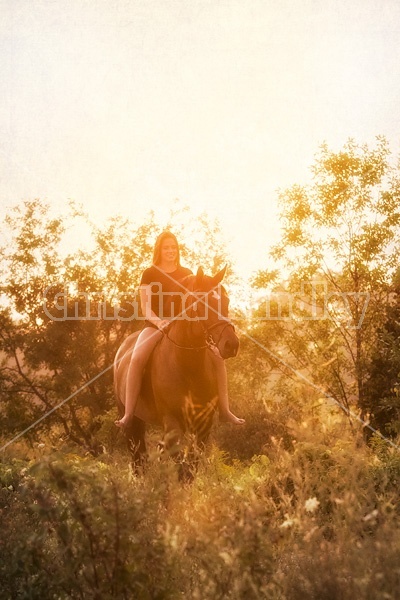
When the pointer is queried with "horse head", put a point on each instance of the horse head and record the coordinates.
(209, 308)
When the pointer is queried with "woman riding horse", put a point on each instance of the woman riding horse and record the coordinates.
(157, 287)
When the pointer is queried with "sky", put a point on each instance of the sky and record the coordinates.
(125, 106)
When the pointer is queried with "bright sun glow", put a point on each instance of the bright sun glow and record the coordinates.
(217, 104)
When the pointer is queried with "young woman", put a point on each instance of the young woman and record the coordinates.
(166, 272)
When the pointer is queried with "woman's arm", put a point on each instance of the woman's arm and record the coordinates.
(145, 303)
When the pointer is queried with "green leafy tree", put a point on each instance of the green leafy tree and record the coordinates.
(338, 251)
(65, 315)
(382, 390)
(59, 330)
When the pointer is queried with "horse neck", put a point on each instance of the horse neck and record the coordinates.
(181, 333)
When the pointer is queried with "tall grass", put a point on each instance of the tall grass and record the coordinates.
(314, 514)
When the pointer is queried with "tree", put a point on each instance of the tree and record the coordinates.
(59, 332)
(65, 315)
(338, 251)
(382, 390)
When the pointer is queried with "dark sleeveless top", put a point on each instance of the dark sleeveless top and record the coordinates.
(166, 291)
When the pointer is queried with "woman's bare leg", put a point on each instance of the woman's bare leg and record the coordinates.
(145, 344)
(225, 413)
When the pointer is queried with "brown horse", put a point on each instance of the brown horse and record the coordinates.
(179, 388)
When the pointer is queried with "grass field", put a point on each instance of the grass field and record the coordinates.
(313, 514)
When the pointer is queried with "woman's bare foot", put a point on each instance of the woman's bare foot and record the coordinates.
(229, 417)
(122, 423)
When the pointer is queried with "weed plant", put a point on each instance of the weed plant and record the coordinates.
(313, 514)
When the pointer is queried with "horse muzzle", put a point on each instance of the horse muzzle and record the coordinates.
(228, 345)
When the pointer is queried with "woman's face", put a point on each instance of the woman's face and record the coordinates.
(169, 251)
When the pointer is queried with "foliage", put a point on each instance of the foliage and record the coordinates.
(65, 314)
(338, 251)
(293, 505)
(89, 537)
(317, 519)
(382, 387)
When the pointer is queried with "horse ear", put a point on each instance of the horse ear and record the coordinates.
(199, 276)
(219, 276)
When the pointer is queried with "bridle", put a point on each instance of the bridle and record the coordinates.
(208, 337)
(209, 341)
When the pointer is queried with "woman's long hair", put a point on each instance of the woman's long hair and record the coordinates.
(157, 248)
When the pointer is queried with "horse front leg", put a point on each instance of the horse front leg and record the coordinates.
(179, 450)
